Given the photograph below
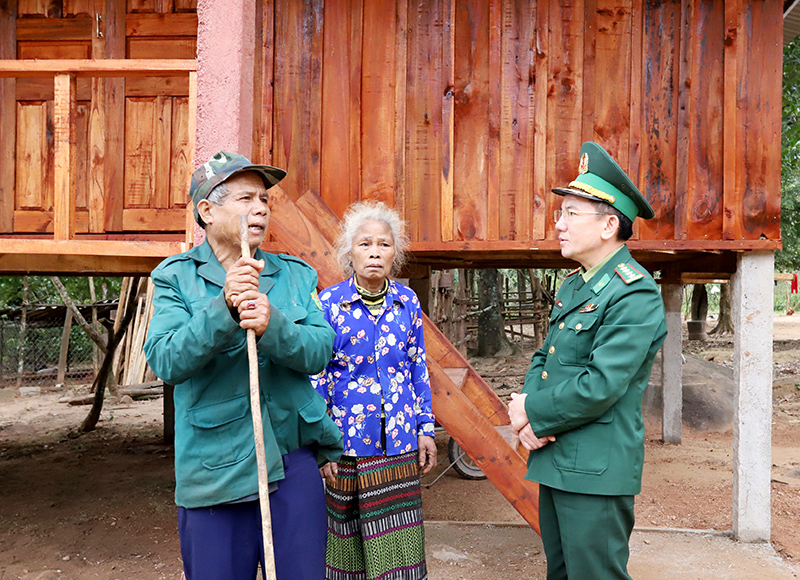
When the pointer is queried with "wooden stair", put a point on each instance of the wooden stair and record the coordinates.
(463, 403)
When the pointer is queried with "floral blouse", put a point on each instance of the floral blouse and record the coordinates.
(376, 358)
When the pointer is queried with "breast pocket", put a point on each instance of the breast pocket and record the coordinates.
(577, 339)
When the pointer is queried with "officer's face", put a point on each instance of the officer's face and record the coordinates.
(372, 254)
(580, 230)
(246, 196)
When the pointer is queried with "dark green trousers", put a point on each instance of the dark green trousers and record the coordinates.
(585, 537)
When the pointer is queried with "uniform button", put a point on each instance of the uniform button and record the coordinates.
(544, 374)
(552, 350)
(561, 326)
(578, 326)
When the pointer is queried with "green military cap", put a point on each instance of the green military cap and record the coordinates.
(601, 179)
(222, 167)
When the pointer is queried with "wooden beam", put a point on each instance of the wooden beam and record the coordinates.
(83, 68)
(102, 248)
(65, 117)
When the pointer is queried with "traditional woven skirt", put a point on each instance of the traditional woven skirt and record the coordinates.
(375, 529)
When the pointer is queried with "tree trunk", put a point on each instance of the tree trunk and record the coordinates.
(725, 322)
(699, 302)
(492, 338)
(114, 338)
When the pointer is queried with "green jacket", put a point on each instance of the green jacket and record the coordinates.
(585, 384)
(195, 344)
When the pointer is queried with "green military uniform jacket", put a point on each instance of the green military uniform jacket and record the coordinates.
(195, 344)
(585, 384)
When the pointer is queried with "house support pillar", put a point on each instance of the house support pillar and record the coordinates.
(752, 363)
(671, 366)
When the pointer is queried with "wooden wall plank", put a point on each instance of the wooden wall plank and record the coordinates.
(134, 6)
(140, 167)
(401, 104)
(65, 154)
(189, 5)
(164, 6)
(96, 144)
(57, 49)
(472, 142)
(636, 99)
(342, 58)
(41, 89)
(448, 121)
(662, 39)
(565, 92)
(38, 221)
(82, 156)
(159, 47)
(114, 103)
(159, 219)
(611, 68)
(55, 29)
(379, 63)
(424, 122)
(263, 83)
(180, 167)
(516, 127)
(155, 86)
(702, 198)
(162, 153)
(46, 8)
(541, 66)
(493, 159)
(297, 78)
(759, 106)
(171, 25)
(8, 116)
(78, 7)
(34, 178)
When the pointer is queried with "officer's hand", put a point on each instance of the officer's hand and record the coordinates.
(427, 453)
(254, 310)
(516, 411)
(241, 277)
(530, 441)
(329, 472)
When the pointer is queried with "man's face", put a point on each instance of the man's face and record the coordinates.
(580, 229)
(246, 195)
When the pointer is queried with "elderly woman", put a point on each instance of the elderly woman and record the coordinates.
(378, 392)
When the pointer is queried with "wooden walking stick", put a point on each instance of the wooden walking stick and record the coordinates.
(258, 430)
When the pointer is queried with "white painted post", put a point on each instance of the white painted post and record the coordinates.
(752, 374)
(671, 366)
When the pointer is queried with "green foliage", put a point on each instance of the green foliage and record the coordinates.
(788, 259)
(42, 291)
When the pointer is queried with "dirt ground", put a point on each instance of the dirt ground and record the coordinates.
(100, 505)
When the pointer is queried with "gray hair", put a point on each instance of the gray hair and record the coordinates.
(216, 196)
(368, 211)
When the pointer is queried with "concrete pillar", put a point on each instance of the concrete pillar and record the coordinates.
(671, 366)
(752, 306)
(225, 66)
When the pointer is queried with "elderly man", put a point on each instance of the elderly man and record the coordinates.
(204, 301)
(580, 411)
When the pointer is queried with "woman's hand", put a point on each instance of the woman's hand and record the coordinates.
(329, 472)
(427, 453)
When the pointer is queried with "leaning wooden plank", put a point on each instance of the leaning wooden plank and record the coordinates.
(64, 135)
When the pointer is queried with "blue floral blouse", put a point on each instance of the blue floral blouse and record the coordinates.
(376, 358)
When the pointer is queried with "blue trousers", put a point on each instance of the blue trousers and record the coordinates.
(224, 542)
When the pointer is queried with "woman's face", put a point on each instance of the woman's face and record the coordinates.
(372, 254)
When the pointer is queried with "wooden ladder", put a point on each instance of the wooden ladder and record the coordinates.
(463, 403)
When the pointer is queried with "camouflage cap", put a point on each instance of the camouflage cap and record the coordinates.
(222, 167)
(601, 179)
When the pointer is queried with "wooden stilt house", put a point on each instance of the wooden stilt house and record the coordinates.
(461, 113)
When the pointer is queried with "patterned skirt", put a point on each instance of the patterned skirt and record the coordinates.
(375, 529)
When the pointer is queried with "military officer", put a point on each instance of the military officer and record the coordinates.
(580, 411)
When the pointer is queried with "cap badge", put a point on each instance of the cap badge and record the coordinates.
(584, 165)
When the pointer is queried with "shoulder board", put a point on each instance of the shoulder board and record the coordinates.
(628, 273)
(575, 271)
(174, 258)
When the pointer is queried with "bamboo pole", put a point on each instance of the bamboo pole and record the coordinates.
(258, 430)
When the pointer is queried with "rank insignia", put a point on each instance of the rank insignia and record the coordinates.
(601, 284)
(559, 304)
(584, 164)
(588, 308)
(628, 273)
